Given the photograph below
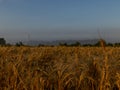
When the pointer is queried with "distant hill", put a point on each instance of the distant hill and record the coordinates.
(56, 42)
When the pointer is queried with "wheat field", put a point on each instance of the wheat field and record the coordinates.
(59, 68)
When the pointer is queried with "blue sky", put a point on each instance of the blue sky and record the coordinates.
(59, 19)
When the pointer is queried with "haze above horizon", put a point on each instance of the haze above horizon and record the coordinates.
(59, 19)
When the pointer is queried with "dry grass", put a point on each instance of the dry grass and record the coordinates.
(59, 68)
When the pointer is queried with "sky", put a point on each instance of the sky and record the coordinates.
(59, 19)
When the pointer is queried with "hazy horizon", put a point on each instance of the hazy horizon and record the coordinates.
(59, 19)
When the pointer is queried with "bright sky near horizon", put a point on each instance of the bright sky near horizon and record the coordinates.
(59, 19)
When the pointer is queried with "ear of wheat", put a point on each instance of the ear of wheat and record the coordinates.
(101, 40)
(102, 43)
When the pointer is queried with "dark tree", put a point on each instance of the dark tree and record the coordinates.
(41, 45)
(19, 44)
(63, 44)
(117, 44)
(110, 44)
(76, 44)
(2, 41)
(87, 45)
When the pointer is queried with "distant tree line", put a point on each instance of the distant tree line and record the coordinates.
(98, 44)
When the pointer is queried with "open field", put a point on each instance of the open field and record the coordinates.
(59, 68)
